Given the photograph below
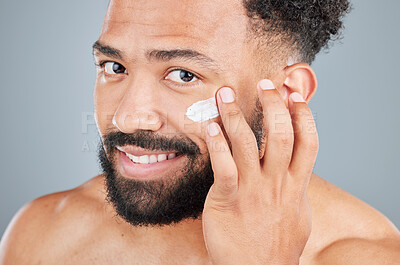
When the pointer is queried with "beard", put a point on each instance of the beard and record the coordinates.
(169, 199)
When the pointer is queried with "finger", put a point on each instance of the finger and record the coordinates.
(278, 130)
(305, 138)
(242, 138)
(223, 165)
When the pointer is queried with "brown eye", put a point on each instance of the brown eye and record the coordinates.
(113, 68)
(181, 76)
(186, 76)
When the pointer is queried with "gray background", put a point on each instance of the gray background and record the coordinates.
(47, 78)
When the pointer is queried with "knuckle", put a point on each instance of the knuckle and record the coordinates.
(312, 144)
(227, 182)
(247, 140)
(234, 112)
(273, 101)
(283, 140)
(228, 178)
(232, 120)
(286, 141)
(243, 138)
(285, 158)
(303, 113)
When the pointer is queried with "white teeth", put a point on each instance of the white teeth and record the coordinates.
(144, 159)
(153, 159)
(162, 157)
(133, 158)
(149, 159)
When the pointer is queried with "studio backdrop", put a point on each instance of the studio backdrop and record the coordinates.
(49, 138)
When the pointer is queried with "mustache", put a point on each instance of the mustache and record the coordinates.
(151, 141)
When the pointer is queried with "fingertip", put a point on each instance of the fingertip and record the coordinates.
(213, 129)
(226, 95)
(266, 84)
(296, 97)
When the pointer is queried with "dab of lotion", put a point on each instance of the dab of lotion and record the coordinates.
(202, 111)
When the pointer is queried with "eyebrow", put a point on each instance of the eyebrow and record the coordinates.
(183, 54)
(109, 51)
(161, 55)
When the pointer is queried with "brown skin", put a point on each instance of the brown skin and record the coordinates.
(79, 227)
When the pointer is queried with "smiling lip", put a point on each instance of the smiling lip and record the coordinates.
(138, 163)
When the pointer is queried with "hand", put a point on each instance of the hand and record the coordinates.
(257, 211)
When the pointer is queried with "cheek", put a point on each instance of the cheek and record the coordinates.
(178, 121)
(247, 93)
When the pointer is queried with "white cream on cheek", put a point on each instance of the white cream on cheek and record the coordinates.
(203, 110)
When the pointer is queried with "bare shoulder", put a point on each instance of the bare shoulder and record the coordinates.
(340, 219)
(50, 222)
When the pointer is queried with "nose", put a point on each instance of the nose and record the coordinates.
(138, 110)
(137, 120)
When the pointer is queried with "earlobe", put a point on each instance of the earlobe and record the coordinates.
(300, 78)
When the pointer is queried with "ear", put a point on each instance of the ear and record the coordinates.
(299, 78)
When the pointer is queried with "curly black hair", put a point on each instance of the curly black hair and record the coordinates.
(309, 25)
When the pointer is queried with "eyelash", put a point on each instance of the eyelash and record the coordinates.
(102, 63)
(192, 84)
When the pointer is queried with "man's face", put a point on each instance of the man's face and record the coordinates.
(158, 58)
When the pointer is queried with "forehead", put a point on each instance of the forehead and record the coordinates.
(213, 27)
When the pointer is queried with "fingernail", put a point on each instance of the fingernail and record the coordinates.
(226, 95)
(212, 129)
(266, 84)
(297, 97)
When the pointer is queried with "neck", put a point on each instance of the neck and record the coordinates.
(189, 231)
(182, 241)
